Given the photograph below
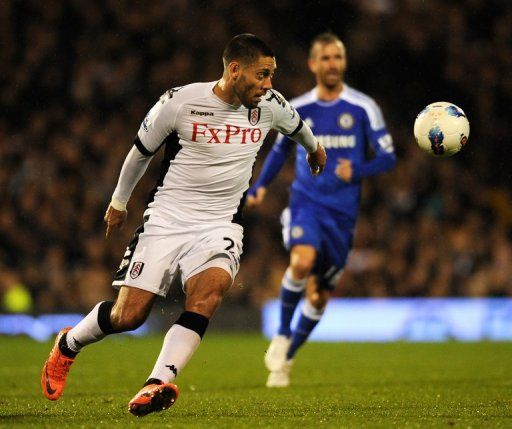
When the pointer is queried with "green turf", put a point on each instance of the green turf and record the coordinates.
(334, 386)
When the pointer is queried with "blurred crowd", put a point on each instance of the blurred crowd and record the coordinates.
(77, 78)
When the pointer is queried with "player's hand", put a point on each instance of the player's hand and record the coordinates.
(317, 160)
(254, 200)
(114, 219)
(344, 170)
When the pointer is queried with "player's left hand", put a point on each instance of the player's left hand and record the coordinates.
(114, 219)
(254, 200)
(317, 160)
(344, 170)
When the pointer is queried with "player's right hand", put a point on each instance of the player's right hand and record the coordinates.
(255, 199)
(114, 219)
(317, 160)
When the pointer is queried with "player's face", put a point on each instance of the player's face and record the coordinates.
(328, 62)
(254, 80)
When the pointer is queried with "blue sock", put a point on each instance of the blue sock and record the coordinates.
(309, 318)
(291, 293)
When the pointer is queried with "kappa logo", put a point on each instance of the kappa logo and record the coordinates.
(169, 94)
(173, 369)
(199, 113)
(254, 115)
(136, 269)
(123, 264)
(278, 99)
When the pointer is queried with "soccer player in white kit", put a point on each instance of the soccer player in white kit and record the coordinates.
(211, 132)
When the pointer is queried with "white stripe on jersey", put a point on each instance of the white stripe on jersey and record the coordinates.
(367, 103)
(350, 95)
(307, 98)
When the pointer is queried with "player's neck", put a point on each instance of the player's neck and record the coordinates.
(224, 90)
(325, 93)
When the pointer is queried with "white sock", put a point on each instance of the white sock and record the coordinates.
(86, 332)
(179, 345)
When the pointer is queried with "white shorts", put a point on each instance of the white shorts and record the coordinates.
(158, 253)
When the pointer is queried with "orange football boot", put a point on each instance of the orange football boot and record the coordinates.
(55, 370)
(153, 397)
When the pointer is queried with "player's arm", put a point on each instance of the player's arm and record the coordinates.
(316, 156)
(157, 125)
(271, 167)
(382, 144)
(288, 122)
(134, 166)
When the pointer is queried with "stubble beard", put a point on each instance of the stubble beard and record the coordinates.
(240, 90)
(331, 84)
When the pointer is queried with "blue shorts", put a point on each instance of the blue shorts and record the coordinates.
(329, 233)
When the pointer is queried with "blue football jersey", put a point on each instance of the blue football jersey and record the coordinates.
(346, 127)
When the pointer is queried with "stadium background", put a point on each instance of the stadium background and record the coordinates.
(77, 78)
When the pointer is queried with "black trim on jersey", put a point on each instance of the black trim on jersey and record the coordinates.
(120, 275)
(296, 130)
(274, 96)
(238, 216)
(141, 147)
(172, 147)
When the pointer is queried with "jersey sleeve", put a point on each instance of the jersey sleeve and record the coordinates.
(286, 120)
(376, 132)
(273, 163)
(158, 124)
(380, 141)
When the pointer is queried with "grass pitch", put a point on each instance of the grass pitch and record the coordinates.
(446, 385)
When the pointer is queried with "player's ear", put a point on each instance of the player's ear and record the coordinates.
(234, 70)
(312, 65)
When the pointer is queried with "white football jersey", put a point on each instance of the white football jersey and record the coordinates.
(210, 149)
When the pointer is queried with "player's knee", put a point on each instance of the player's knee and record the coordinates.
(205, 292)
(207, 300)
(301, 267)
(205, 305)
(319, 299)
(123, 319)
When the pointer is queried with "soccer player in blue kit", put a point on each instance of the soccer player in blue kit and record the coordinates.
(318, 225)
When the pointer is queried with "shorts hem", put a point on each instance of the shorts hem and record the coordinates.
(216, 263)
(116, 284)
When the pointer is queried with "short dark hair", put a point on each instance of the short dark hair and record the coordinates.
(325, 39)
(245, 48)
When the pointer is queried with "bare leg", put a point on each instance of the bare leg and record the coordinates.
(205, 291)
(302, 259)
(130, 310)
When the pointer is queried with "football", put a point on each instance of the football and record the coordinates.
(441, 129)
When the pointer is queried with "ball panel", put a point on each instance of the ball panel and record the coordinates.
(441, 129)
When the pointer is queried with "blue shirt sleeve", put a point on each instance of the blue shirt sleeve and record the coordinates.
(273, 163)
(382, 144)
